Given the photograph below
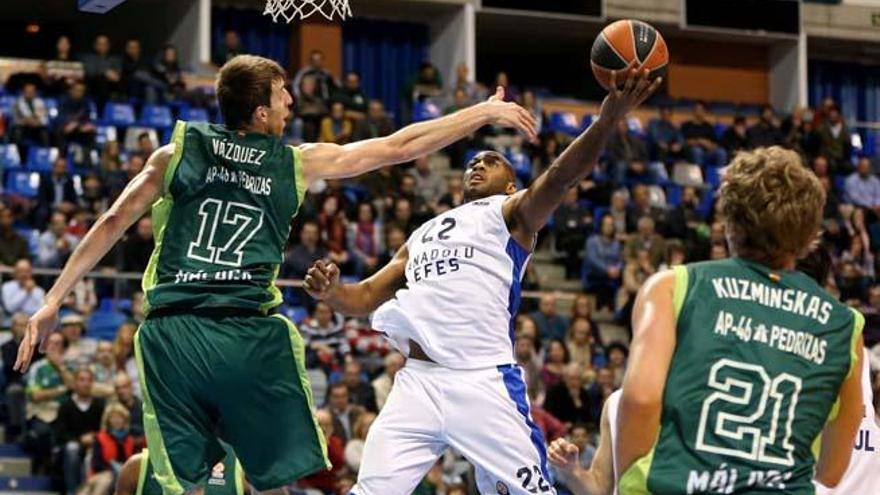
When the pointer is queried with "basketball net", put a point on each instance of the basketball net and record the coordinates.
(300, 9)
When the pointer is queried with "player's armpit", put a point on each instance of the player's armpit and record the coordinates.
(838, 436)
(364, 297)
(651, 352)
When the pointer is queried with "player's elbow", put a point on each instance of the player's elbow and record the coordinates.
(829, 478)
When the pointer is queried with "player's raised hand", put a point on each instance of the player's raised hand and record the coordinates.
(563, 454)
(623, 99)
(38, 327)
(321, 279)
(509, 114)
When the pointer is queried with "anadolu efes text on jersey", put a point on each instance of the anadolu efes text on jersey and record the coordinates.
(462, 290)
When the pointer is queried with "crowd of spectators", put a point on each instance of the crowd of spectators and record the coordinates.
(78, 410)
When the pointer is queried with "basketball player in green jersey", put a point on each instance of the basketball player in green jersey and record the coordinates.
(222, 199)
(137, 477)
(743, 375)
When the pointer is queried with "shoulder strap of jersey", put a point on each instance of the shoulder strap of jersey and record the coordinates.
(299, 180)
(142, 472)
(178, 138)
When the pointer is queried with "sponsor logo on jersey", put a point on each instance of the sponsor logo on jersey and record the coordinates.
(217, 475)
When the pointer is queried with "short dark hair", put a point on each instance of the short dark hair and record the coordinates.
(143, 135)
(619, 346)
(336, 385)
(243, 84)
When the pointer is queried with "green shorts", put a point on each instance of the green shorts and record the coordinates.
(240, 378)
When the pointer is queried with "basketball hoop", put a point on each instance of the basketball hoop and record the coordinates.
(300, 9)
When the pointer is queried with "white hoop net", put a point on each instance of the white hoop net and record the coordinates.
(300, 9)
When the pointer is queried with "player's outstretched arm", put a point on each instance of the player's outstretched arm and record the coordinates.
(599, 479)
(839, 434)
(332, 161)
(528, 210)
(362, 298)
(127, 482)
(135, 200)
(638, 420)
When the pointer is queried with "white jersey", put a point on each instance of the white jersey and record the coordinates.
(611, 405)
(462, 289)
(862, 477)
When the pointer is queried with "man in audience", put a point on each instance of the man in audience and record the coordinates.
(13, 246)
(22, 294)
(665, 137)
(352, 96)
(231, 47)
(324, 338)
(13, 380)
(702, 142)
(395, 238)
(56, 244)
(30, 117)
(766, 132)
(377, 123)
(359, 390)
(862, 187)
(640, 206)
(102, 70)
(122, 385)
(429, 184)
(56, 191)
(629, 156)
(138, 246)
(323, 79)
(104, 370)
(137, 74)
(834, 142)
(74, 123)
(735, 138)
(80, 351)
(382, 384)
(550, 324)
(648, 239)
(307, 251)
(48, 381)
(345, 414)
(79, 419)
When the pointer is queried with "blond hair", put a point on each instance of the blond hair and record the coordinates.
(115, 408)
(772, 205)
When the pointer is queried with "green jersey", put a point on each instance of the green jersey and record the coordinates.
(223, 221)
(759, 360)
(226, 478)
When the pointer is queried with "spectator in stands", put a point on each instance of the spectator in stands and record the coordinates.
(583, 308)
(79, 419)
(617, 354)
(22, 294)
(834, 142)
(571, 222)
(167, 70)
(332, 224)
(325, 86)
(365, 242)
(676, 254)
(146, 146)
(310, 107)
(93, 198)
(735, 138)
(618, 211)
(345, 414)
(429, 184)
(648, 239)
(797, 132)
(113, 445)
(56, 191)
(377, 123)
(665, 137)
(402, 216)
(603, 263)
(395, 238)
(326, 480)
(718, 251)
(13, 381)
(550, 324)
(530, 103)
(102, 71)
(300, 258)
(359, 390)
(568, 400)
(104, 368)
(48, 381)
(123, 350)
(510, 92)
(56, 244)
(454, 196)
(30, 117)
(80, 350)
(580, 342)
(526, 356)
(231, 47)
(766, 132)
(635, 273)
(124, 389)
(407, 189)
(394, 361)
(324, 338)
(702, 142)
(60, 72)
(862, 187)
(74, 124)
(600, 389)
(855, 268)
(629, 156)
(464, 83)
(555, 360)
(336, 127)
(138, 246)
(832, 200)
(137, 75)
(426, 84)
(684, 219)
(581, 437)
(641, 206)
(62, 49)
(354, 450)
(352, 96)
(13, 246)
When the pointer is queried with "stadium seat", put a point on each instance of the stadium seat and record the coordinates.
(658, 196)
(105, 133)
(40, 159)
(564, 122)
(194, 114)
(157, 116)
(52, 107)
(425, 110)
(687, 174)
(7, 102)
(673, 195)
(587, 121)
(22, 183)
(634, 124)
(9, 156)
(118, 114)
(713, 176)
(103, 324)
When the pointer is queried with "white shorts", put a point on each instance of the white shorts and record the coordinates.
(483, 414)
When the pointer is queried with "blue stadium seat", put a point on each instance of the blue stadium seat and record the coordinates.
(118, 114)
(194, 114)
(634, 124)
(22, 183)
(425, 110)
(25, 484)
(673, 195)
(40, 159)
(564, 122)
(587, 121)
(158, 116)
(598, 212)
(7, 102)
(104, 133)
(32, 236)
(103, 324)
(719, 129)
(840, 183)
(713, 176)
(9, 156)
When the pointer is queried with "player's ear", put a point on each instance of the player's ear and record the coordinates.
(511, 188)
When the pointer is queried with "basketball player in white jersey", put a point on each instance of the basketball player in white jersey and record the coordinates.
(863, 474)
(447, 301)
(601, 477)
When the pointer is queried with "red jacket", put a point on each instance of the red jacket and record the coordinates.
(108, 449)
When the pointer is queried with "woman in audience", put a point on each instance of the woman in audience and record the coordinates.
(556, 359)
(113, 445)
(365, 240)
(354, 449)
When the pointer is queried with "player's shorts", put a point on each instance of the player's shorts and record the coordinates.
(244, 372)
(483, 414)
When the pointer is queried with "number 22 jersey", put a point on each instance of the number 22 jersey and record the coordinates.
(463, 280)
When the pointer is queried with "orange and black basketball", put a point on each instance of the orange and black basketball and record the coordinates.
(624, 42)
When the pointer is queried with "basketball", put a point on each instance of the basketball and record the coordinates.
(624, 42)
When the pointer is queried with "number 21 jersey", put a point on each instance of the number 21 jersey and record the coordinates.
(463, 280)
